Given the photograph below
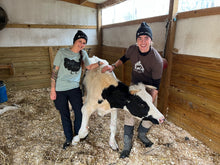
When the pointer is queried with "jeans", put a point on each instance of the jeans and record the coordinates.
(74, 96)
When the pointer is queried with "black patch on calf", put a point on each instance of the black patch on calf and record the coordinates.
(150, 118)
(119, 96)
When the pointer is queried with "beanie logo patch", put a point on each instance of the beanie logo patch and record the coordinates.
(143, 33)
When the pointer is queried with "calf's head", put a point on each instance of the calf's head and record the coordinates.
(141, 105)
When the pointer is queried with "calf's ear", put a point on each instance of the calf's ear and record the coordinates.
(134, 91)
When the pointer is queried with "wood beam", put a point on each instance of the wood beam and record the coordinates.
(139, 21)
(99, 26)
(82, 3)
(50, 26)
(110, 3)
(169, 55)
(199, 13)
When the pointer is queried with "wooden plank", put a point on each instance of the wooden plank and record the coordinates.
(195, 130)
(30, 71)
(81, 2)
(199, 13)
(52, 56)
(78, 2)
(165, 83)
(29, 85)
(111, 3)
(112, 54)
(139, 21)
(204, 129)
(99, 25)
(127, 72)
(197, 61)
(27, 78)
(112, 49)
(19, 52)
(32, 65)
(24, 59)
(5, 74)
(47, 26)
(21, 64)
(8, 66)
(190, 105)
(207, 88)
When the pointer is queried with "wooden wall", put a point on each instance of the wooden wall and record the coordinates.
(31, 66)
(112, 54)
(194, 95)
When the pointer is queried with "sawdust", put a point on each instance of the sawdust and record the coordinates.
(33, 135)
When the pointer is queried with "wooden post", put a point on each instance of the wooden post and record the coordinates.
(169, 56)
(99, 25)
(51, 54)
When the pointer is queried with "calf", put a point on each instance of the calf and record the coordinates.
(105, 94)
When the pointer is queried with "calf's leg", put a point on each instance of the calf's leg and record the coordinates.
(83, 131)
(113, 128)
(86, 113)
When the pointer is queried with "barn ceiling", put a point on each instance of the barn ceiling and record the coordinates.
(97, 1)
(94, 3)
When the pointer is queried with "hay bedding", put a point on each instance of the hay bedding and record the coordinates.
(33, 135)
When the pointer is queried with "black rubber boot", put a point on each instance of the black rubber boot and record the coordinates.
(128, 135)
(142, 136)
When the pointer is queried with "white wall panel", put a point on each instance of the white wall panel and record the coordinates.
(45, 12)
(126, 35)
(199, 36)
(42, 37)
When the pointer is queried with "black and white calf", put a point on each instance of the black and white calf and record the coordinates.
(105, 94)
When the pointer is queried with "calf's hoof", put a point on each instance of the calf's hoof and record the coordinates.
(149, 144)
(125, 153)
(83, 134)
(113, 145)
(75, 140)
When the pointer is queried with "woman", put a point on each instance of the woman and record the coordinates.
(147, 67)
(65, 80)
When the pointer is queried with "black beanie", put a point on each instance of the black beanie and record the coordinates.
(144, 29)
(79, 35)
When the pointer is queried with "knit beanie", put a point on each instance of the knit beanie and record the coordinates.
(144, 29)
(80, 34)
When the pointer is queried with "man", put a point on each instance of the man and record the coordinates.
(147, 67)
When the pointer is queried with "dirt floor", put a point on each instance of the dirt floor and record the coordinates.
(33, 135)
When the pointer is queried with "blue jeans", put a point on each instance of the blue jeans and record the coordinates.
(74, 96)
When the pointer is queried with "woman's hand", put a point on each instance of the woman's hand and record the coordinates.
(53, 95)
(107, 68)
(154, 94)
(95, 65)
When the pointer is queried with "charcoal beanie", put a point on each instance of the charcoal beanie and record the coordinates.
(80, 34)
(144, 29)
